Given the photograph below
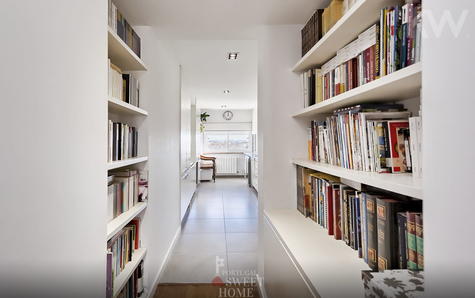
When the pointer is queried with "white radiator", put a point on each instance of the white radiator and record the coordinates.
(230, 164)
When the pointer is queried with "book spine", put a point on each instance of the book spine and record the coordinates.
(419, 241)
(402, 236)
(329, 208)
(337, 212)
(372, 232)
(411, 241)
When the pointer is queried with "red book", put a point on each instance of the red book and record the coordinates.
(329, 202)
(367, 59)
(372, 59)
(398, 131)
(336, 211)
(136, 223)
(355, 72)
(350, 75)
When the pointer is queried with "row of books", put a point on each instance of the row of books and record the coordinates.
(134, 286)
(322, 21)
(391, 44)
(120, 250)
(123, 86)
(125, 189)
(387, 231)
(368, 137)
(119, 25)
(122, 141)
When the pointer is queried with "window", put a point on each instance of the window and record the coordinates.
(227, 141)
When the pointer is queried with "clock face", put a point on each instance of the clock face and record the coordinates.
(228, 115)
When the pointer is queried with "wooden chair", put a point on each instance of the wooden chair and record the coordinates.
(209, 166)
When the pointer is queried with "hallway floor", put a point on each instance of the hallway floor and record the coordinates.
(219, 238)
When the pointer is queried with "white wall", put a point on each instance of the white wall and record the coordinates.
(280, 137)
(160, 88)
(448, 152)
(54, 126)
(242, 119)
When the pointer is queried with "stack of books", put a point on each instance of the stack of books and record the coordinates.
(120, 250)
(125, 189)
(391, 44)
(368, 137)
(123, 141)
(386, 230)
(123, 86)
(119, 25)
(134, 286)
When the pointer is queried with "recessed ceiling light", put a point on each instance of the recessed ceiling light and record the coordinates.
(232, 55)
(227, 91)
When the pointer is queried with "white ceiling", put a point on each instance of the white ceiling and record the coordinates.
(211, 29)
(207, 73)
(216, 19)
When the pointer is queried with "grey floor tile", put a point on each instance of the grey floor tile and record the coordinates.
(206, 212)
(202, 243)
(241, 242)
(240, 213)
(194, 268)
(246, 225)
(203, 226)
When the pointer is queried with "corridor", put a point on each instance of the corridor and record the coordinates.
(219, 239)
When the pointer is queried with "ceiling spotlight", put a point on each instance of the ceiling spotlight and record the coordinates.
(232, 55)
(227, 91)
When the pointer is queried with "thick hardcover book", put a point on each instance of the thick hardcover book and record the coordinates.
(420, 242)
(372, 231)
(120, 26)
(109, 278)
(388, 248)
(136, 44)
(128, 34)
(336, 211)
(402, 237)
(300, 191)
(411, 241)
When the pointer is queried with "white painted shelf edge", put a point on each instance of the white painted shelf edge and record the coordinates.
(401, 84)
(122, 220)
(121, 106)
(320, 258)
(123, 277)
(404, 184)
(128, 60)
(127, 162)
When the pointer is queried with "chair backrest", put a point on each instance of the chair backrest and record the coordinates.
(202, 157)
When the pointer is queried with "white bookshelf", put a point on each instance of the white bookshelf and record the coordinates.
(122, 220)
(361, 16)
(126, 162)
(121, 107)
(121, 55)
(121, 280)
(402, 84)
(321, 260)
(403, 183)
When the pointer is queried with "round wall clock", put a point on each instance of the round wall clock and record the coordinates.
(228, 115)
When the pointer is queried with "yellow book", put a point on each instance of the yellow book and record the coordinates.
(325, 176)
(336, 12)
(318, 85)
(325, 20)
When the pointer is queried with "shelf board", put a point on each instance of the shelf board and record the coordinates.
(119, 106)
(404, 183)
(402, 84)
(123, 277)
(121, 55)
(361, 16)
(128, 162)
(122, 220)
(321, 259)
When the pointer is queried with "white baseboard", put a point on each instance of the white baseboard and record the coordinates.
(260, 286)
(153, 288)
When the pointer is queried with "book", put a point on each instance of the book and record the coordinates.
(411, 241)
(398, 135)
(402, 237)
(371, 201)
(419, 241)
